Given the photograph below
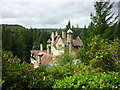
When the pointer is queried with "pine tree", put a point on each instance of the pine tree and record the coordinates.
(68, 26)
(103, 24)
(103, 18)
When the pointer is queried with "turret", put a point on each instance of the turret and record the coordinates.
(69, 39)
(49, 46)
(69, 36)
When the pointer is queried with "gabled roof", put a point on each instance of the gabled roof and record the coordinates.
(64, 40)
(77, 42)
(38, 51)
(69, 31)
(56, 39)
(45, 59)
(49, 41)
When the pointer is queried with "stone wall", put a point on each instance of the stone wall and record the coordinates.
(60, 45)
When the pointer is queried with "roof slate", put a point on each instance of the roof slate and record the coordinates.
(77, 42)
(45, 59)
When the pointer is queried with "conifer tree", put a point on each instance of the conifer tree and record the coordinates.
(102, 20)
(68, 26)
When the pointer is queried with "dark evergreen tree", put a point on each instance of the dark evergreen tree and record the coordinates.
(20, 40)
(68, 26)
(103, 23)
(102, 20)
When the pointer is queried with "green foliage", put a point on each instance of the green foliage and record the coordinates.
(101, 39)
(13, 71)
(112, 32)
(87, 80)
(102, 18)
(38, 38)
(76, 30)
(103, 23)
(99, 52)
(104, 54)
(64, 58)
(61, 71)
(81, 53)
(19, 76)
(68, 26)
(21, 40)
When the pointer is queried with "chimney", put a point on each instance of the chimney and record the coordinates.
(56, 33)
(39, 58)
(52, 38)
(41, 47)
(49, 46)
(48, 49)
(63, 34)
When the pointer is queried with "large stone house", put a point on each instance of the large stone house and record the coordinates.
(55, 46)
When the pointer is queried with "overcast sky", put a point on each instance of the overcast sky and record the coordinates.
(47, 13)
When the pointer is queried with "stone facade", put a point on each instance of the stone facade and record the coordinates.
(57, 44)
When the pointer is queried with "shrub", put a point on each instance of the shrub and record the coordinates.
(18, 75)
(104, 54)
(64, 58)
(87, 80)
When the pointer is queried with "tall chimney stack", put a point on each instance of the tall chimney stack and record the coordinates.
(56, 33)
(63, 34)
(41, 47)
(39, 58)
(52, 38)
(49, 46)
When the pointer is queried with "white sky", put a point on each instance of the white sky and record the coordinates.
(47, 13)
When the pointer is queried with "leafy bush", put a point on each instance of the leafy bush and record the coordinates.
(81, 53)
(87, 80)
(18, 76)
(61, 71)
(64, 58)
(14, 73)
(104, 54)
(22, 75)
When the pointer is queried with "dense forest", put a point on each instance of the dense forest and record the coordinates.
(98, 63)
(21, 40)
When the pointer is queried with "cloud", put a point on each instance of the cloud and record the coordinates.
(45, 13)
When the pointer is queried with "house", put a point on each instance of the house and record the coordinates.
(40, 57)
(56, 45)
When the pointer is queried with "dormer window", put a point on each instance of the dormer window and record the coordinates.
(60, 46)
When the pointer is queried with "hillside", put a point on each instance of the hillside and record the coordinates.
(21, 40)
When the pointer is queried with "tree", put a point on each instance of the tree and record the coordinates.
(102, 20)
(19, 76)
(64, 58)
(20, 40)
(68, 26)
(104, 54)
(103, 24)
